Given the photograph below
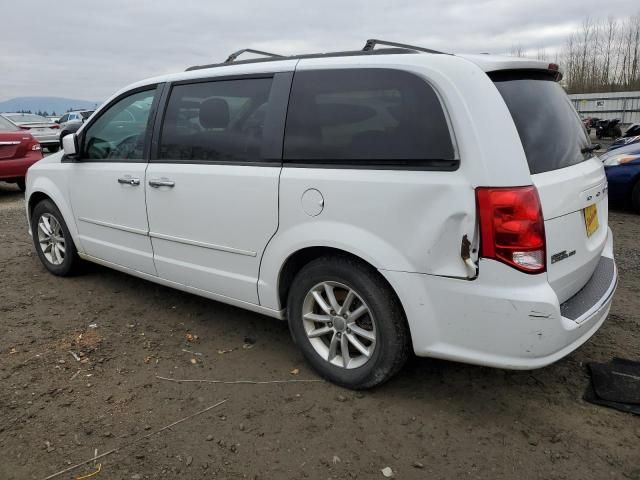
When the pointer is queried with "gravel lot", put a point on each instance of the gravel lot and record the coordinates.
(436, 420)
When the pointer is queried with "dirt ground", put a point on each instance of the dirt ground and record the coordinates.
(435, 420)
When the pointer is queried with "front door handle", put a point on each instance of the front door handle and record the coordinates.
(161, 182)
(129, 180)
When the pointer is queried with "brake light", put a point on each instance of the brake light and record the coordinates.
(54, 125)
(512, 227)
(36, 147)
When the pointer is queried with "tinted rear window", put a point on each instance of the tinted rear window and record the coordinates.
(550, 130)
(365, 117)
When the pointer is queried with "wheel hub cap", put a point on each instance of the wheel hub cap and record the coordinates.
(339, 324)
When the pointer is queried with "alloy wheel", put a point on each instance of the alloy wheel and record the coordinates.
(339, 325)
(51, 239)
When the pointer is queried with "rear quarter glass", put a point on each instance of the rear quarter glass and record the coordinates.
(550, 130)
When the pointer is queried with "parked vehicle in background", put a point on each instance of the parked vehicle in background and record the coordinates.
(623, 141)
(622, 167)
(42, 129)
(79, 117)
(18, 151)
(72, 121)
(382, 201)
(608, 128)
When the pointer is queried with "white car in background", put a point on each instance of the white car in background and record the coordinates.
(383, 202)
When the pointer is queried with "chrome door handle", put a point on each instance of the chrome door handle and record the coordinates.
(161, 182)
(127, 180)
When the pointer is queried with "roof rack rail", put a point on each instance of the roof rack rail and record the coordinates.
(372, 42)
(231, 58)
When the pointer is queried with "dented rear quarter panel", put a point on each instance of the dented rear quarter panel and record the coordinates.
(404, 220)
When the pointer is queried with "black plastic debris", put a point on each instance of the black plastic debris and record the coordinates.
(615, 385)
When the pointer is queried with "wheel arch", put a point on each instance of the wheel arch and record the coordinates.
(40, 191)
(298, 259)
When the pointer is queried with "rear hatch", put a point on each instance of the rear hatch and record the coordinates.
(569, 178)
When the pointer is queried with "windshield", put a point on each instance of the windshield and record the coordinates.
(6, 125)
(551, 132)
(27, 118)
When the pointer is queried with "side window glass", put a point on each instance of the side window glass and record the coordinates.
(120, 132)
(64, 118)
(215, 121)
(365, 116)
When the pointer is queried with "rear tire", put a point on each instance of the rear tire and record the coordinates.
(361, 344)
(21, 185)
(53, 148)
(635, 197)
(52, 240)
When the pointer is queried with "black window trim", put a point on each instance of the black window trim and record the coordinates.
(159, 89)
(274, 128)
(429, 165)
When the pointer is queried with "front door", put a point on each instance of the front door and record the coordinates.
(212, 187)
(106, 184)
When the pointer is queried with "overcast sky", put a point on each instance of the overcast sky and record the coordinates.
(87, 49)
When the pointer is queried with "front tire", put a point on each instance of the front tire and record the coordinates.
(52, 240)
(347, 322)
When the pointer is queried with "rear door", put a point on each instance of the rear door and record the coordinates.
(212, 184)
(570, 179)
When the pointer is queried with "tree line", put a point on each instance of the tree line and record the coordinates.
(603, 55)
(39, 112)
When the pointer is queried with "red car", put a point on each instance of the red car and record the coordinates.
(18, 151)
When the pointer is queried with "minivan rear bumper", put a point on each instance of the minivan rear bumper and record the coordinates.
(503, 318)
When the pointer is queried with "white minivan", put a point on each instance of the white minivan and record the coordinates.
(382, 201)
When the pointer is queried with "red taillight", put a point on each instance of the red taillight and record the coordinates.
(36, 147)
(512, 227)
(54, 125)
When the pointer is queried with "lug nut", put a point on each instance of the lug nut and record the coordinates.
(345, 316)
(348, 330)
(330, 324)
(332, 312)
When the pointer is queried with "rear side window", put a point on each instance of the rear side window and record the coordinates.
(550, 130)
(366, 117)
(215, 121)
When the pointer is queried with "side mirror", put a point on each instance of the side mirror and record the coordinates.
(70, 145)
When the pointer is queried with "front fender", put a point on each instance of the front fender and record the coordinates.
(44, 185)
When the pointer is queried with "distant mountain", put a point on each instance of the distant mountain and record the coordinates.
(46, 104)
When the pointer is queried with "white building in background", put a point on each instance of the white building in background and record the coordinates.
(622, 105)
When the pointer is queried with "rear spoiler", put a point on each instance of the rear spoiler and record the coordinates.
(527, 73)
